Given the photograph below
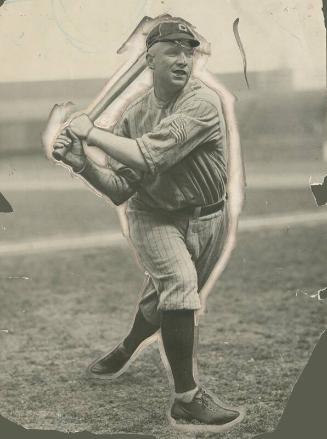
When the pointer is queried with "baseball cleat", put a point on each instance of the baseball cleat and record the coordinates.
(113, 364)
(203, 409)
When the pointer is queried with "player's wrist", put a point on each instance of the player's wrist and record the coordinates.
(80, 167)
(88, 132)
(91, 136)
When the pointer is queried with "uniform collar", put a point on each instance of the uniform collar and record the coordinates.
(160, 103)
(193, 83)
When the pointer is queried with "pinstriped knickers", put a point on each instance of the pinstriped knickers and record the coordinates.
(178, 253)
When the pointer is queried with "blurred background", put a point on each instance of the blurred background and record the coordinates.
(64, 294)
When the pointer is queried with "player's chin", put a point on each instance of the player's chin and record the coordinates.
(179, 80)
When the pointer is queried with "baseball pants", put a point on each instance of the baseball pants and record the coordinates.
(178, 252)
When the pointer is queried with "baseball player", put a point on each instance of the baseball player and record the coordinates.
(167, 157)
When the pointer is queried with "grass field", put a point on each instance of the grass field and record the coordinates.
(60, 310)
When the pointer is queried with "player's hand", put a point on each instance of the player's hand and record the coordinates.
(71, 148)
(81, 126)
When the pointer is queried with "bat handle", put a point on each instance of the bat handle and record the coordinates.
(59, 154)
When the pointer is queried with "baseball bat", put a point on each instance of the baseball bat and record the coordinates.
(100, 104)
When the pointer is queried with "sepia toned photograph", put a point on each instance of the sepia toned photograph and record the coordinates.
(163, 211)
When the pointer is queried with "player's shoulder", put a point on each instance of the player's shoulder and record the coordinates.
(137, 103)
(196, 90)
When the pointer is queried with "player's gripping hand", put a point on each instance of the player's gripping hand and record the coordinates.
(81, 126)
(71, 145)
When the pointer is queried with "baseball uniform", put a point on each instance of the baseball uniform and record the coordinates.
(184, 145)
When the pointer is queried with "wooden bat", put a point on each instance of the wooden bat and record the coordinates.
(109, 95)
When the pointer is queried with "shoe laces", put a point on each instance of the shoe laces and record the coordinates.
(205, 399)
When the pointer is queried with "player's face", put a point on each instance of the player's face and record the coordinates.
(172, 64)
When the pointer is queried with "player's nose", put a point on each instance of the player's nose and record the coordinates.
(182, 60)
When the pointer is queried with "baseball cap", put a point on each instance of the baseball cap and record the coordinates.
(170, 31)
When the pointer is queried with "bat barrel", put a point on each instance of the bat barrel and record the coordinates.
(118, 87)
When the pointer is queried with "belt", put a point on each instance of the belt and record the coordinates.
(212, 208)
(204, 210)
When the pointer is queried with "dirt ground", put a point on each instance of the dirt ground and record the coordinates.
(59, 310)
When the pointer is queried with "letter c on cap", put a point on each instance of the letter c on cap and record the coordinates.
(182, 27)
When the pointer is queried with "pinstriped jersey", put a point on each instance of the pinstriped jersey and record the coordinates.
(184, 145)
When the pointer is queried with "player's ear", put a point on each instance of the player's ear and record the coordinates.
(150, 60)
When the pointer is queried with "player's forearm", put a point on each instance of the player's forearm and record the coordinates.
(122, 149)
(106, 181)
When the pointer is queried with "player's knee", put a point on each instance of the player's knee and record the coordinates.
(183, 295)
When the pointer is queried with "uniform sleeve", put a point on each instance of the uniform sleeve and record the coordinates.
(115, 180)
(179, 134)
(106, 181)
